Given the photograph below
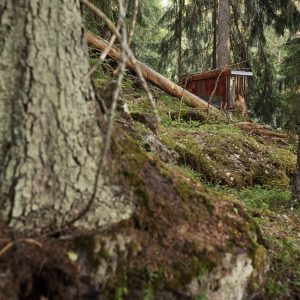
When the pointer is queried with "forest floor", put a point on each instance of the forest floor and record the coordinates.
(251, 162)
(195, 163)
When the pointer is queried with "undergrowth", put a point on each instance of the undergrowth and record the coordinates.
(259, 197)
(239, 165)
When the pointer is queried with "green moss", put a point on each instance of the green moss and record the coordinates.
(171, 206)
(120, 293)
(189, 194)
(227, 155)
(283, 283)
(258, 198)
(260, 259)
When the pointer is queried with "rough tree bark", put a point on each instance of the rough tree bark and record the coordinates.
(296, 186)
(50, 142)
(179, 34)
(214, 26)
(223, 47)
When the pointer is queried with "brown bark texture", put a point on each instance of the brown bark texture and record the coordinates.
(179, 34)
(223, 47)
(50, 140)
(214, 26)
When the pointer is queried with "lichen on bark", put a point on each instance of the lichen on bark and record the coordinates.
(50, 140)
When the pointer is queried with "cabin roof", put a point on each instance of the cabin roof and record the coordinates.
(216, 73)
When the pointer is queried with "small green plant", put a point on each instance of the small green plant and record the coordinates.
(284, 281)
(202, 296)
(297, 277)
(261, 197)
(120, 293)
(265, 197)
(149, 290)
(149, 294)
(277, 289)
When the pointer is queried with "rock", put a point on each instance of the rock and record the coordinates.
(154, 145)
(147, 119)
(231, 285)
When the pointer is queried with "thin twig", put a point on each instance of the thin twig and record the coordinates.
(121, 71)
(145, 86)
(181, 98)
(131, 56)
(11, 244)
(101, 58)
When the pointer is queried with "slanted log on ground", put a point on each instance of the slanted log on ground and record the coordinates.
(150, 75)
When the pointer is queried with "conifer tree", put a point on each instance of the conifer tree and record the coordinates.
(291, 69)
(223, 45)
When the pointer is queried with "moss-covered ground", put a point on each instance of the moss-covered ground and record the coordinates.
(240, 164)
(228, 192)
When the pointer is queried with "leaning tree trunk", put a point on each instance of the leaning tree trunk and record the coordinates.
(49, 138)
(223, 47)
(296, 186)
(151, 75)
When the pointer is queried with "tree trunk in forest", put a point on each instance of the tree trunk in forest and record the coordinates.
(296, 186)
(151, 75)
(214, 26)
(179, 34)
(50, 141)
(223, 48)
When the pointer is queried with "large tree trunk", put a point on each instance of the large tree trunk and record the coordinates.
(214, 26)
(296, 186)
(223, 48)
(49, 138)
(179, 33)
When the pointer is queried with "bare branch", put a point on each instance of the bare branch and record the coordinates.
(181, 98)
(130, 54)
(101, 58)
(11, 244)
(213, 92)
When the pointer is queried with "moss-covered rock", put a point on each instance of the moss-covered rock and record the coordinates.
(224, 154)
(183, 240)
(219, 152)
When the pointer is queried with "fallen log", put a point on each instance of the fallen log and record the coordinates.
(150, 75)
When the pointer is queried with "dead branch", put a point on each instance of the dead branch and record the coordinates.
(130, 55)
(151, 75)
(12, 244)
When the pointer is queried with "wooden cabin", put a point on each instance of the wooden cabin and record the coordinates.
(225, 85)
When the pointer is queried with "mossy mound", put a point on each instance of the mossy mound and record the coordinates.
(223, 154)
(219, 152)
(179, 232)
(281, 233)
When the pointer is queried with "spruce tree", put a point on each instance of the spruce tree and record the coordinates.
(291, 72)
